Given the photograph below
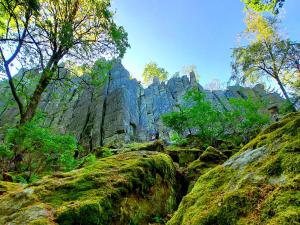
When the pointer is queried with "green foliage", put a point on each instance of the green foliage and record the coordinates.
(178, 121)
(106, 152)
(158, 219)
(245, 119)
(12, 12)
(267, 55)
(152, 70)
(242, 121)
(197, 114)
(264, 5)
(31, 150)
(63, 30)
(176, 138)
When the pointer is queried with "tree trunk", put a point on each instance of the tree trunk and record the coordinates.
(285, 94)
(36, 96)
(13, 89)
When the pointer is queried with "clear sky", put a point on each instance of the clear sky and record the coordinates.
(175, 33)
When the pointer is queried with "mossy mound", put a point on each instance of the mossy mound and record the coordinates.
(157, 146)
(212, 154)
(129, 188)
(258, 185)
(209, 159)
(183, 155)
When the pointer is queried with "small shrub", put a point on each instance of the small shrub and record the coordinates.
(31, 150)
(178, 139)
(106, 152)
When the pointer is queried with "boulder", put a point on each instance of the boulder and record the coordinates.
(212, 154)
(129, 188)
(258, 185)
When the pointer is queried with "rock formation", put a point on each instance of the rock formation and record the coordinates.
(258, 185)
(122, 110)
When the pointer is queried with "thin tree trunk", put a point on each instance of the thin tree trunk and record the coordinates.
(285, 93)
(13, 89)
(36, 97)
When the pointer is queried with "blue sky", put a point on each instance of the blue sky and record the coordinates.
(175, 33)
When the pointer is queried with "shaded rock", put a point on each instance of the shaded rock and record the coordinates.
(212, 154)
(183, 155)
(129, 188)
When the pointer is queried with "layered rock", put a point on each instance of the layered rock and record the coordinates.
(122, 110)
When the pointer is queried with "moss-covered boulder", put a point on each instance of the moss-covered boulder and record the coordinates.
(258, 185)
(129, 188)
(212, 154)
(209, 159)
(157, 146)
(183, 155)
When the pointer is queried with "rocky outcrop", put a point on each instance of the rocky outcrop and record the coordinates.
(129, 188)
(258, 185)
(121, 110)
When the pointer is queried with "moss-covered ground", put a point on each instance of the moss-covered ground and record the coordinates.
(258, 185)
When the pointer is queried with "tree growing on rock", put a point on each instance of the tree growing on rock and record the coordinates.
(152, 70)
(267, 55)
(244, 119)
(40, 35)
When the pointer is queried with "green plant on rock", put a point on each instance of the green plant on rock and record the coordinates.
(31, 150)
(244, 119)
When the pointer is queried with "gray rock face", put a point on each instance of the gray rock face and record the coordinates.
(245, 158)
(122, 110)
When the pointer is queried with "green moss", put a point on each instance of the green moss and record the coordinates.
(273, 167)
(212, 154)
(158, 146)
(262, 191)
(183, 155)
(8, 187)
(107, 191)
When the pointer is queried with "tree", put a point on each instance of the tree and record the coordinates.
(267, 55)
(15, 20)
(56, 31)
(264, 5)
(197, 114)
(245, 119)
(152, 70)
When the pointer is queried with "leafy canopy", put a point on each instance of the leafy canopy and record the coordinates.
(40, 35)
(152, 70)
(264, 5)
(267, 56)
